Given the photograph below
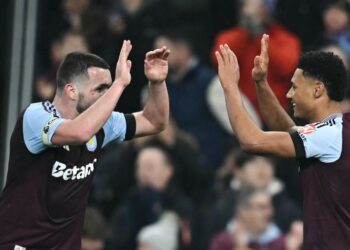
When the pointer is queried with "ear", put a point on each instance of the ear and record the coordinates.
(319, 90)
(71, 91)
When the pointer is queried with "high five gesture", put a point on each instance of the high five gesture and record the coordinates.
(261, 62)
(122, 70)
(156, 65)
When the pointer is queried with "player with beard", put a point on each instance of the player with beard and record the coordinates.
(54, 147)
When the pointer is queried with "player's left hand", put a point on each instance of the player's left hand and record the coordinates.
(156, 65)
(261, 62)
(228, 67)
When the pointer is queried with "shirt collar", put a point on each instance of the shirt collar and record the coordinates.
(333, 116)
(51, 108)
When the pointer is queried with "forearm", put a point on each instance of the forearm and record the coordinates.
(156, 110)
(246, 131)
(273, 114)
(250, 137)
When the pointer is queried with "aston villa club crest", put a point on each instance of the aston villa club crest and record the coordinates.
(91, 145)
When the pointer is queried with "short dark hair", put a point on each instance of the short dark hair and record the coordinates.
(242, 158)
(163, 148)
(76, 64)
(328, 68)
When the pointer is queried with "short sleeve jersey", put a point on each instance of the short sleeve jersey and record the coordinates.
(322, 140)
(39, 126)
(44, 200)
(323, 150)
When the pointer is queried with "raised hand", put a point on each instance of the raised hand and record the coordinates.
(156, 65)
(239, 236)
(122, 70)
(261, 62)
(228, 66)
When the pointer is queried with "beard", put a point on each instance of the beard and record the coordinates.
(81, 105)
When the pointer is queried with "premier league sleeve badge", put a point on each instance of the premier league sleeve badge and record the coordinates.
(91, 145)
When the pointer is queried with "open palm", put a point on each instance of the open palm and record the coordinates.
(122, 70)
(228, 66)
(261, 62)
(156, 65)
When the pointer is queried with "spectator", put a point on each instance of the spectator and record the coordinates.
(252, 171)
(63, 16)
(303, 18)
(189, 175)
(140, 21)
(64, 44)
(336, 29)
(336, 20)
(81, 16)
(188, 84)
(153, 195)
(244, 40)
(115, 172)
(251, 227)
(94, 230)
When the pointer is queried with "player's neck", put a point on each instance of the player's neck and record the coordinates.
(66, 108)
(322, 113)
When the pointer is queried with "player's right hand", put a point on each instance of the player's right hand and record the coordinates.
(227, 66)
(261, 62)
(122, 70)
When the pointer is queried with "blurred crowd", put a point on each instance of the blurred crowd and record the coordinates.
(191, 187)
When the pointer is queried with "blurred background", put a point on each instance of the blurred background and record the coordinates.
(190, 187)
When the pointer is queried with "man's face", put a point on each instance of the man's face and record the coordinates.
(258, 214)
(256, 9)
(98, 83)
(301, 95)
(257, 173)
(152, 169)
(335, 20)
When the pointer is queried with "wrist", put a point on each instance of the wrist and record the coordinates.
(230, 88)
(261, 82)
(156, 82)
(118, 83)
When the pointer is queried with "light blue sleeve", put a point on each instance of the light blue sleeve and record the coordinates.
(39, 127)
(323, 142)
(114, 128)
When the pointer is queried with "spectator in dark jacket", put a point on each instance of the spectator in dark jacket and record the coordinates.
(152, 196)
